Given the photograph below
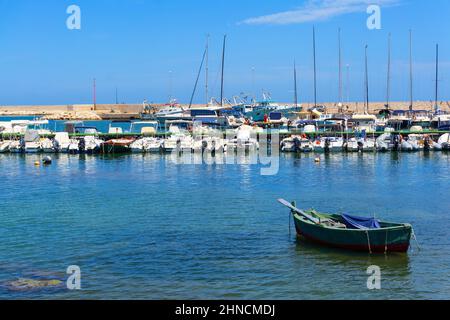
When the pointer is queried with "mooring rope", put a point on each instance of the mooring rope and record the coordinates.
(368, 241)
(415, 238)
(386, 243)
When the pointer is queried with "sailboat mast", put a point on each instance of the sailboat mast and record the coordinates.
(436, 106)
(340, 68)
(295, 86)
(411, 102)
(348, 83)
(315, 73)
(198, 77)
(367, 85)
(388, 82)
(223, 67)
(207, 71)
(95, 93)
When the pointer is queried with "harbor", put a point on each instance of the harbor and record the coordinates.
(354, 133)
(217, 158)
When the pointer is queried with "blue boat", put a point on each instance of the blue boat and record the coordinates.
(259, 110)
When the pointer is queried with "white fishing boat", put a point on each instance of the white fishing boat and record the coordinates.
(32, 143)
(48, 145)
(153, 145)
(407, 146)
(5, 127)
(306, 146)
(186, 144)
(444, 141)
(245, 139)
(138, 146)
(214, 144)
(92, 144)
(361, 145)
(19, 126)
(178, 143)
(4, 146)
(297, 144)
(198, 144)
(62, 142)
(390, 142)
(145, 128)
(74, 146)
(364, 123)
(171, 144)
(153, 113)
(290, 144)
(329, 144)
(16, 146)
(120, 127)
(41, 126)
(416, 141)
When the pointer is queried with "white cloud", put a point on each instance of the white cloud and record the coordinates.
(317, 10)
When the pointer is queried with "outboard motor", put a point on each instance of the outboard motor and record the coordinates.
(297, 144)
(204, 145)
(427, 145)
(327, 145)
(360, 146)
(82, 146)
(396, 142)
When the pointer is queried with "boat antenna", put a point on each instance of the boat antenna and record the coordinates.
(367, 84)
(253, 84)
(295, 86)
(411, 102)
(223, 67)
(170, 86)
(388, 80)
(117, 97)
(198, 77)
(340, 68)
(436, 105)
(315, 74)
(207, 70)
(348, 83)
(95, 94)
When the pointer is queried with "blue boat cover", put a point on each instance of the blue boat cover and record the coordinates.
(360, 223)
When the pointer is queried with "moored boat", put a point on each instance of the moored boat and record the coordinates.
(350, 232)
(117, 146)
(444, 141)
(4, 146)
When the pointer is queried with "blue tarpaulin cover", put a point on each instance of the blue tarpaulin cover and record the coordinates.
(360, 223)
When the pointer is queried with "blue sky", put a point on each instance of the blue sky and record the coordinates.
(133, 44)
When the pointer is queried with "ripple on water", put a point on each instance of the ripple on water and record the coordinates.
(141, 227)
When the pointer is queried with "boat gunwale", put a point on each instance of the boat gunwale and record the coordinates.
(397, 227)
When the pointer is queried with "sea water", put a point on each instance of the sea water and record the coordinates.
(143, 227)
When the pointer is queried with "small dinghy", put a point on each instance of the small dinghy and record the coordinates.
(349, 232)
(117, 145)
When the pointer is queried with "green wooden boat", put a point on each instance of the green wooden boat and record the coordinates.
(351, 233)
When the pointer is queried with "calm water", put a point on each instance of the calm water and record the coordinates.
(142, 227)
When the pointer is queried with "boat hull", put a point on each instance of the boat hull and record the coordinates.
(116, 146)
(384, 240)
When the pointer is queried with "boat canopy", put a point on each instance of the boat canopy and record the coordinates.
(354, 222)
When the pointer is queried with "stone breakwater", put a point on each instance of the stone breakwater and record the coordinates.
(132, 111)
